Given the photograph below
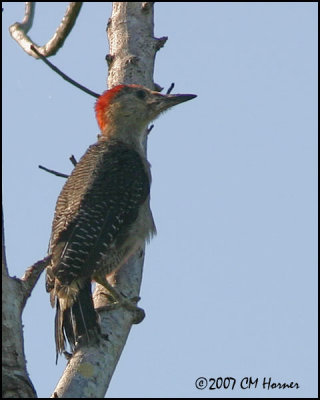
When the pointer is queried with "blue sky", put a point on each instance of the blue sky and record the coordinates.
(230, 281)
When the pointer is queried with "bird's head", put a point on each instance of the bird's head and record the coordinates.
(128, 109)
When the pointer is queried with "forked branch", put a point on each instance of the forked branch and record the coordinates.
(19, 30)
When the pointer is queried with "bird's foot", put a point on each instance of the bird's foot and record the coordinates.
(138, 313)
(119, 300)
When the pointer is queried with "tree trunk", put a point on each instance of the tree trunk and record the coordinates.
(131, 60)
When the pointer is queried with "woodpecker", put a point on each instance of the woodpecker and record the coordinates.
(103, 214)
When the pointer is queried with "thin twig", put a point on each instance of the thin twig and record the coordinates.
(73, 160)
(51, 171)
(62, 74)
(170, 88)
(150, 129)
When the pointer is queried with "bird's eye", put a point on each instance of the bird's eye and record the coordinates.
(141, 94)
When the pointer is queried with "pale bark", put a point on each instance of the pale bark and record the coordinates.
(15, 292)
(132, 44)
(19, 31)
(131, 60)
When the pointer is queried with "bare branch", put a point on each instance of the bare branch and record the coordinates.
(133, 46)
(63, 75)
(131, 60)
(51, 171)
(19, 31)
(27, 21)
(157, 87)
(170, 88)
(73, 160)
(32, 274)
(16, 382)
(160, 42)
(90, 368)
(149, 129)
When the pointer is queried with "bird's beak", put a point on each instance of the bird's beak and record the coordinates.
(164, 101)
(179, 98)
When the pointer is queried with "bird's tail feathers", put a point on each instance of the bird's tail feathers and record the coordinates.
(76, 321)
